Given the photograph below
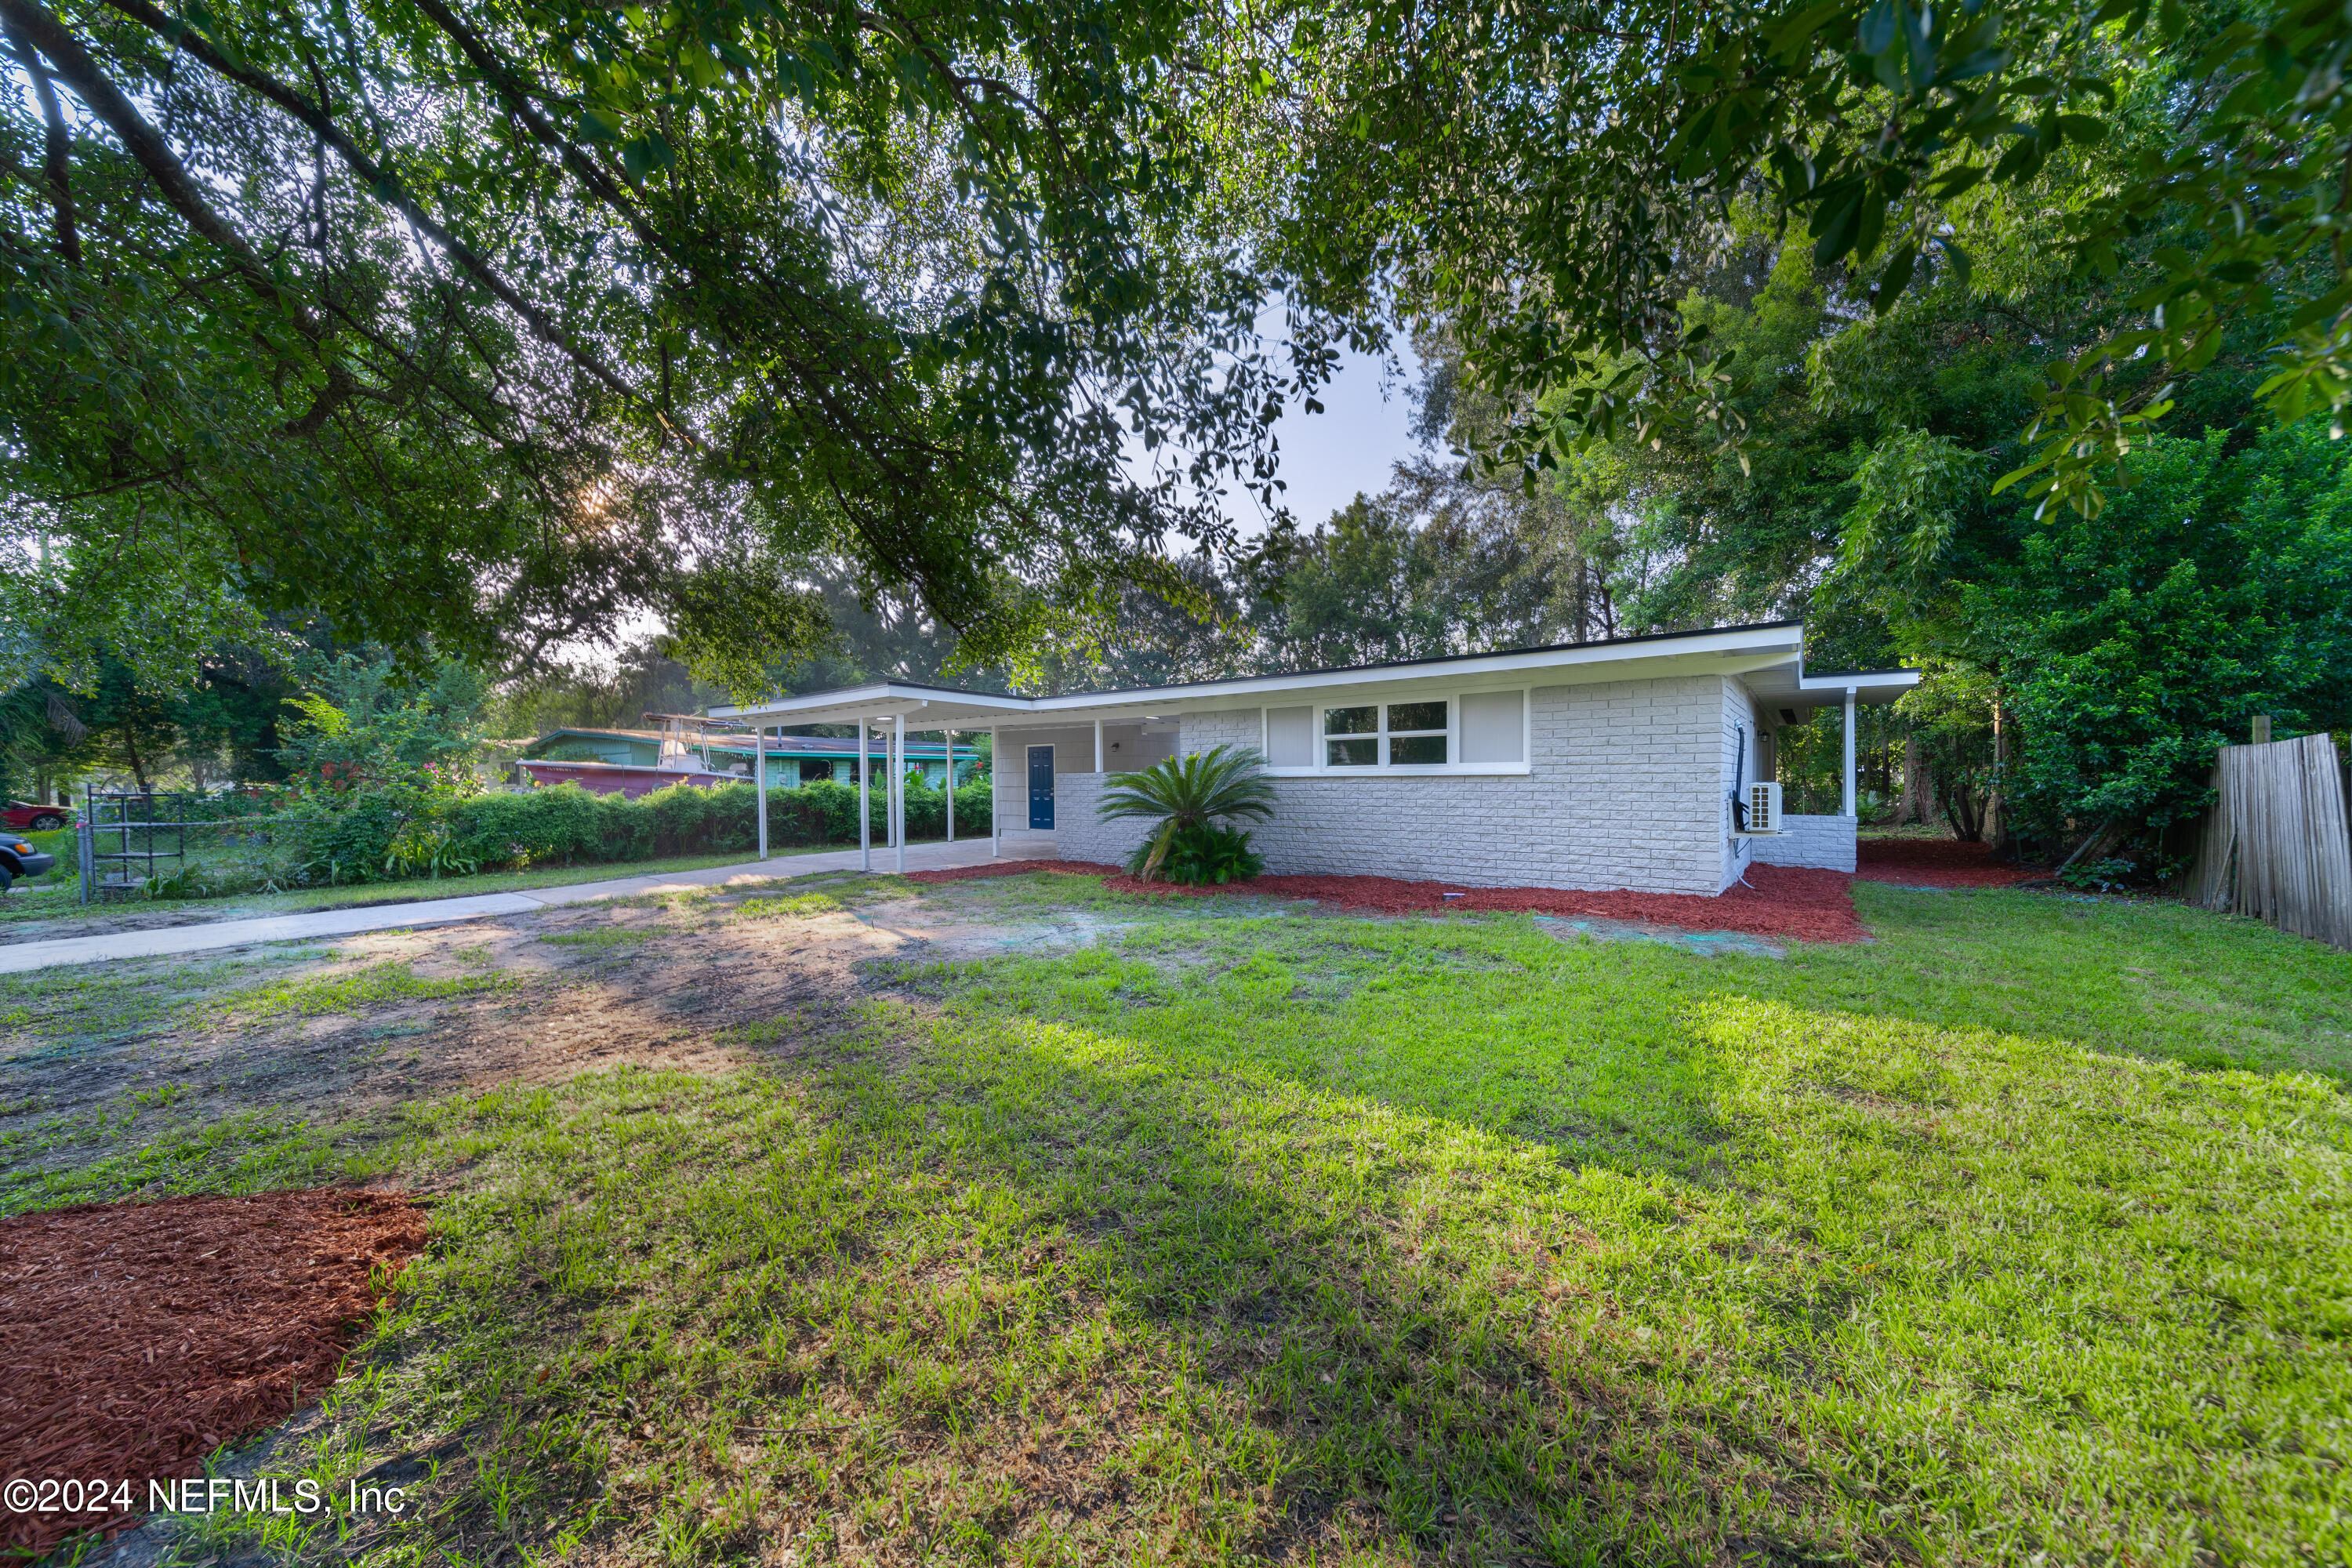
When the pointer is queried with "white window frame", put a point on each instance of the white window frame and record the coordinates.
(1321, 766)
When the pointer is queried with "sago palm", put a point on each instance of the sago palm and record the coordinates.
(1221, 784)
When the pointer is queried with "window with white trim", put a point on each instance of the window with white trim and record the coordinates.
(1386, 735)
(1460, 732)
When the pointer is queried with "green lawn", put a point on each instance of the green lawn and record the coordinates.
(2017, 1236)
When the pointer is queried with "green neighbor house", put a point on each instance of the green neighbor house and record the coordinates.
(633, 762)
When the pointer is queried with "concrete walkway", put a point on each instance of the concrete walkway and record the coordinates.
(17, 958)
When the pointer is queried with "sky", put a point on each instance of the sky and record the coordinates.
(1351, 445)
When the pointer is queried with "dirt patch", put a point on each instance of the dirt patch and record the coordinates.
(1707, 943)
(1934, 863)
(139, 1337)
(97, 1060)
(1780, 902)
(61, 916)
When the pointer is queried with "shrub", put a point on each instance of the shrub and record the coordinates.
(1188, 794)
(426, 847)
(371, 836)
(1201, 854)
(349, 842)
(556, 824)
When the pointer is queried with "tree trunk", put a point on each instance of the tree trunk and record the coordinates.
(1909, 810)
(1996, 812)
(1961, 810)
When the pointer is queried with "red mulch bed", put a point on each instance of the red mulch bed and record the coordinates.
(1783, 900)
(137, 1338)
(1934, 863)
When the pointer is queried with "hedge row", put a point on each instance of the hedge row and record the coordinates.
(564, 823)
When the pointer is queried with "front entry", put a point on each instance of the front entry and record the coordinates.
(1041, 787)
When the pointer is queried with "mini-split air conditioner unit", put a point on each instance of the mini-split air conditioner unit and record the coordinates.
(1763, 802)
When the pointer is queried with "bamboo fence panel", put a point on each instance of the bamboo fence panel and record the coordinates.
(2278, 845)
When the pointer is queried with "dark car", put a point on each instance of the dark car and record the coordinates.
(32, 817)
(19, 858)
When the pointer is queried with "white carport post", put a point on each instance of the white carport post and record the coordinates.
(898, 791)
(946, 738)
(864, 813)
(995, 811)
(1849, 750)
(760, 782)
(1098, 767)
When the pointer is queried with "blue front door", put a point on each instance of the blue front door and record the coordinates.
(1041, 786)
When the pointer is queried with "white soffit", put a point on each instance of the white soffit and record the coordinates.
(1794, 688)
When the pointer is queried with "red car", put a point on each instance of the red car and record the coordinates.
(31, 818)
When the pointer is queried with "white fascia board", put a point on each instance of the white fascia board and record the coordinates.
(880, 699)
(1777, 644)
(1733, 652)
(1871, 681)
(865, 698)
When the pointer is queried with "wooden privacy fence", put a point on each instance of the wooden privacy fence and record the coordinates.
(2278, 845)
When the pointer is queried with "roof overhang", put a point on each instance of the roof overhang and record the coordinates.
(938, 707)
(1738, 650)
(1768, 660)
(1803, 689)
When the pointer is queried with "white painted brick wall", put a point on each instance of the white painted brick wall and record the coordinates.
(1078, 834)
(1826, 842)
(1628, 787)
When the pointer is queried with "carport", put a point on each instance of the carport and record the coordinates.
(885, 708)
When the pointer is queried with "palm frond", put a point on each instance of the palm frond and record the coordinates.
(1225, 782)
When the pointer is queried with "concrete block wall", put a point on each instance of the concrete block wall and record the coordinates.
(1626, 788)
(1824, 842)
(1078, 834)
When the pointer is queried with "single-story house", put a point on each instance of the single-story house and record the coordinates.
(632, 762)
(1582, 766)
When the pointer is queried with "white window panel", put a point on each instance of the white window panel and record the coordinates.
(1291, 737)
(1494, 727)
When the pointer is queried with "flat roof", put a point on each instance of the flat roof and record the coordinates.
(1768, 657)
(739, 741)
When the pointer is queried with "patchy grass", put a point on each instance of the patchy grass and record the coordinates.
(603, 939)
(791, 906)
(46, 1012)
(1032, 893)
(2018, 1236)
(357, 991)
(827, 893)
(249, 1152)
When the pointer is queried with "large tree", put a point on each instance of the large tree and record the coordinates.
(488, 323)
(1550, 179)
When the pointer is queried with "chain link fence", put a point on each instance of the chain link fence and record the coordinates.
(142, 843)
